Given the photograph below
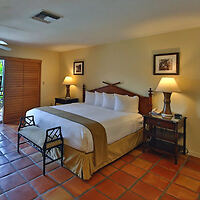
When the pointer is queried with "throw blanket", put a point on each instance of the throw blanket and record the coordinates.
(97, 130)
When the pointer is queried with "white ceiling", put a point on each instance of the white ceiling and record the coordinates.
(91, 22)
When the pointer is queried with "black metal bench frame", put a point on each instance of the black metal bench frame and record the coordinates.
(53, 135)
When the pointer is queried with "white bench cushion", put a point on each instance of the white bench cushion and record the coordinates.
(34, 134)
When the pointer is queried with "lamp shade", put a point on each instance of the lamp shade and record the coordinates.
(68, 80)
(167, 85)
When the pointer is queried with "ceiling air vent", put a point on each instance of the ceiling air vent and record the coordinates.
(46, 17)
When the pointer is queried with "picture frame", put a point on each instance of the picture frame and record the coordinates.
(166, 64)
(78, 68)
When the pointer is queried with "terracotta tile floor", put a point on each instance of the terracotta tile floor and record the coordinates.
(135, 176)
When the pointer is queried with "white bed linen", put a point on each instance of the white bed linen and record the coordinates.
(117, 124)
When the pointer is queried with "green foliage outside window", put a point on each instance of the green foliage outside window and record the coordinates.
(1, 74)
(1, 67)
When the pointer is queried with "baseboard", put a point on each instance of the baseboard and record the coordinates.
(195, 154)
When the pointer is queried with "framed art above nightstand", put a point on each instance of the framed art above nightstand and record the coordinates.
(78, 68)
(166, 64)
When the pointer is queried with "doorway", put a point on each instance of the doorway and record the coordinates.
(2, 65)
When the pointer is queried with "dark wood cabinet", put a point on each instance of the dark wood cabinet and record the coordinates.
(66, 101)
(165, 135)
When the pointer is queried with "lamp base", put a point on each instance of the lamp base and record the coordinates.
(166, 112)
(67, 92)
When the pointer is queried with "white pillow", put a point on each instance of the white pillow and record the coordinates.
(124, 103)
(89, 98)
(108, 101)
(98, 99)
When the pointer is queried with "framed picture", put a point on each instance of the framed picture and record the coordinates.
(78, 68)
(166, 64)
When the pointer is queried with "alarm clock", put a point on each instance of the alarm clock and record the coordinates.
(177, 116)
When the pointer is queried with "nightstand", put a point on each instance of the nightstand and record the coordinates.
(66, 101)
(165, 135)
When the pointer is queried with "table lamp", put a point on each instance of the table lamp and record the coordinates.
(68, 81)
(167, 86)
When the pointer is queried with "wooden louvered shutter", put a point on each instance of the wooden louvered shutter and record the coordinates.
(21, 87)
(13, 91)
(32, 71)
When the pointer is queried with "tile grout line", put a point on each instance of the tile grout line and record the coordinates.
(5, 193)
(139, 179)
(58, 184)
(27, 182)
(28, 155)
(93, 187)
(18, 171)
(172, 180)
(119, 169)
(105, 177)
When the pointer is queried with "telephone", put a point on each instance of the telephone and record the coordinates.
(155, 111)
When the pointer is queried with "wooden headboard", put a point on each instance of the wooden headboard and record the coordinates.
(145, 103)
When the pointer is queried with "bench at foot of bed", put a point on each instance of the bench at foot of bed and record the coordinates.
(43, 141)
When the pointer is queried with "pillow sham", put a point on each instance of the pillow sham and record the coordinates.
(98, 99)
(108, 101)
(124, 103)
(89, 98)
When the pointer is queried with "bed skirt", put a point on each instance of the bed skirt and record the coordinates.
(82, 164)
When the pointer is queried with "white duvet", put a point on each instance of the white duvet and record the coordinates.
(117, 124)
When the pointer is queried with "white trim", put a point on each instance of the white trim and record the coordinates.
(196, 154)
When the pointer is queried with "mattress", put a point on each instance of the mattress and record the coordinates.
(117, 124)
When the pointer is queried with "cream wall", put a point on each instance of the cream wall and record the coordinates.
(130, 62)
(49, 70)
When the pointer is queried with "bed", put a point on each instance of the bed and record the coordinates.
(123, 130)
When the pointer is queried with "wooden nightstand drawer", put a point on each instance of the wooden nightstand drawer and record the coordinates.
(161, 123)
(164, 134)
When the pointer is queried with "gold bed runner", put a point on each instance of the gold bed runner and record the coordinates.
(97, 130)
